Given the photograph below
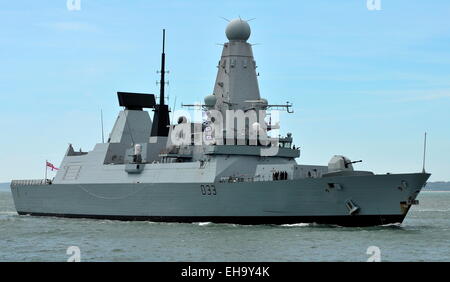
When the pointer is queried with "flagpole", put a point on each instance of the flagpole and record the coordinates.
(424, 152)
(45, 171)
(101, 117)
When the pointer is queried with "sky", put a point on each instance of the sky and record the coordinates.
(364, 83)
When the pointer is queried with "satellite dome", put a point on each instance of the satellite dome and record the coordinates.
(210, 101)
(238, 29)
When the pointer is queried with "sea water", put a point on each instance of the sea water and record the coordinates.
(423, 236)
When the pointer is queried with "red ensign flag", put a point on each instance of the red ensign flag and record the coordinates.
(50, 165)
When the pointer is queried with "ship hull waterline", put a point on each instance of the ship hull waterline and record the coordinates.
(380, 200)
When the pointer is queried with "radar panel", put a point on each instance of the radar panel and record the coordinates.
(136, 101)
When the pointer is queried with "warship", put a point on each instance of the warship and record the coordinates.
(231, 166)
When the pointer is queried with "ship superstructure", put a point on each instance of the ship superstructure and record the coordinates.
(229, 168)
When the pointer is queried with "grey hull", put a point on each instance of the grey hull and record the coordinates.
(229, 167)
(380, 199)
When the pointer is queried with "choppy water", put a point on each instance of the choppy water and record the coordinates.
(424, 236)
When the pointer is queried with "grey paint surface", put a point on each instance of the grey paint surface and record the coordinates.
(378, 194)
(209, 181)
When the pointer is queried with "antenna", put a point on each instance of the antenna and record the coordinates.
(101, 119)
(163, 71)
(160, 126)
(424, 152)
(173, 112)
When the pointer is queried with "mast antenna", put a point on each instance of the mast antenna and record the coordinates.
(174, 106)
(101, 120)
(424, 152)
(163, 70)
(161, 121)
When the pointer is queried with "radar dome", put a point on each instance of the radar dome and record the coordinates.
(238, 29)
(210, 101)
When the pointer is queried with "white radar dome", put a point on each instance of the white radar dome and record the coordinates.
(210, 101)
(238, 29)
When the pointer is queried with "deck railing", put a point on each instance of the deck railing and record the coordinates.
(31, 182)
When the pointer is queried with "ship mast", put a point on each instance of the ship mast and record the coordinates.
(163, 70)
(160, 125)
